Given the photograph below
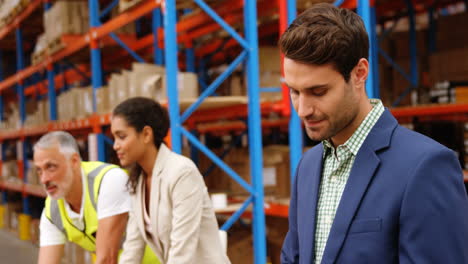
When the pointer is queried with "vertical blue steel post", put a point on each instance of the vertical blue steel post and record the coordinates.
(255, 133)
(413, 47)
(190, 59)
(170, 44)
(19, 67)
(1, 96)
(47, 6)
(363, 9)
(26, 208)
(158, 53)
(22, 108)
(295, 129)
(374, 56)
(96, 67)
(51, 93)
(189, 51)
(432, 31)
(101, 145)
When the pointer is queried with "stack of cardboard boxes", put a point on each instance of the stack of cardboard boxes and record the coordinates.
(276, 176)
(147, 80)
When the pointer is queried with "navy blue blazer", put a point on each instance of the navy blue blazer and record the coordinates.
(404, 202)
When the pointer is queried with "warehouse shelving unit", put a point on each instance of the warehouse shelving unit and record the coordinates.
(167, 35)
(161, 39)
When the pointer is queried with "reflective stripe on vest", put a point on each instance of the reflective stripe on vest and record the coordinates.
(91, 179)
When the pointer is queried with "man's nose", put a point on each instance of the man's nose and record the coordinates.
(304, 106)
(44, 178)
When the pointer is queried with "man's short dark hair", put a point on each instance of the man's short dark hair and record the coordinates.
(326, 34)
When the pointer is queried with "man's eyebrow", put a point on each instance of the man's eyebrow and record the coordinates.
(313, 87)
(48, 163)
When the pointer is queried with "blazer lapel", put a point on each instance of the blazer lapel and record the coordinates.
(139, 213)
(154, 210)
(308, 210)
(363, 171)
(155, 195)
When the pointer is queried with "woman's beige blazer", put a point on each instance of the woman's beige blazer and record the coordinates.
(183, 223)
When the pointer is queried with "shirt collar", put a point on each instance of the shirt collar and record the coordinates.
(354, 143)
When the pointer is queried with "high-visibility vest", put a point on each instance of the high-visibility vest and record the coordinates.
(56, 213)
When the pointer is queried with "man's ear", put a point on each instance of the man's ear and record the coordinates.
(360, 72)
(75, 160)
(147, 134)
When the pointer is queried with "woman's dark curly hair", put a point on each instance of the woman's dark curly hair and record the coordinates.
(139, 112)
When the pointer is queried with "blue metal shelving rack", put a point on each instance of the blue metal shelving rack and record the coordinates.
(250, 54)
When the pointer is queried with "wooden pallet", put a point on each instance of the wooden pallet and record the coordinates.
(53, 47)
(14, 12)
(39, 56)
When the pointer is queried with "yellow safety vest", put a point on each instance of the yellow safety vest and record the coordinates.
(56, 213)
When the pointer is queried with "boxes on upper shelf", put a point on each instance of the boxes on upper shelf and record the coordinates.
(66, 17)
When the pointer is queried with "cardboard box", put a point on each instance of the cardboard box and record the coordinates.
(150, 81)
(66, 17)
(102, 100)
(240, 244)
(276, 228)
(450, 65)
(31, 174)
(269, 59)
(276, 176)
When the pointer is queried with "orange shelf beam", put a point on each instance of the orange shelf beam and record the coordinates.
(124, 18)
(430, 110)
(69, 75)
(20, 18)
(279, 210)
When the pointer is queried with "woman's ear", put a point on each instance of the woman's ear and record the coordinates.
(147, 135)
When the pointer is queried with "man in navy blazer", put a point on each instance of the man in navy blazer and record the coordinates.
(371, 191)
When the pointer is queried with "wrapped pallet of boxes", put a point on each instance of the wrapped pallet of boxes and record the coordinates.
(276, 176)
(84, 107)
(270, 71)
(62, 107)
(102, 100)
(67, 105)
(112, 88)
(147, 81)
(9, 170)
(66, 17)
(39, 49)
(32, 174)
(43, 110)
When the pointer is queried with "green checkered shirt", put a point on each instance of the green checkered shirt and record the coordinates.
(336, 168)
